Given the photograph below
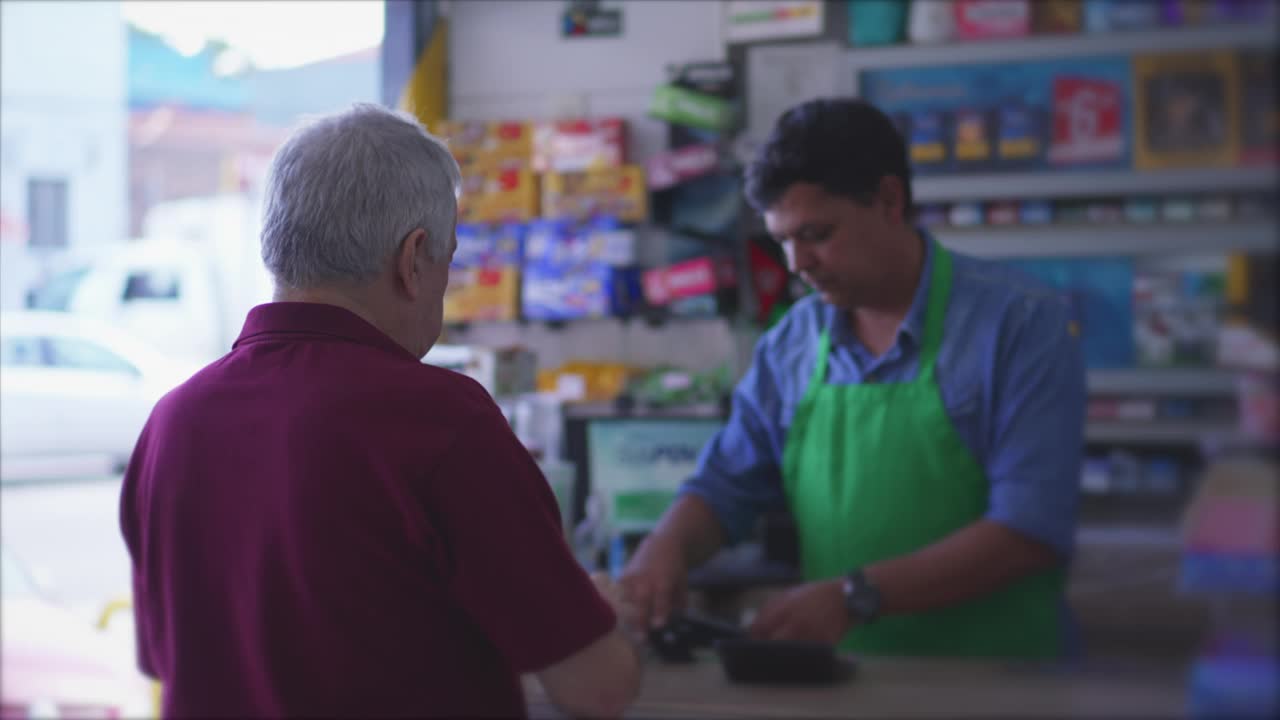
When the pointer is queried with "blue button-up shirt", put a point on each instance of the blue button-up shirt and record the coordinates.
(1012, 379)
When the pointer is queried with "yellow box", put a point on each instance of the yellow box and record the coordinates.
(1186, 107)
(482, 294)
(501, 196)
(614, 192)
(485, 146)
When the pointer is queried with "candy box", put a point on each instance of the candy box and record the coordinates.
(617, 192)
(498, 196)
(575, 145)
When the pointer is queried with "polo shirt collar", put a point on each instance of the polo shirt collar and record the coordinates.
(271, 320)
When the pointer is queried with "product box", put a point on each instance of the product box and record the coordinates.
(683, 106)
(500, 196)
(691, 278)
(488, 146)
(484, 277)
(1188, 110)
(1089, 121)
(984, 19)
(673, 167)
(973, 137)
(1178, 317)
(565, 242)
(575, 145)
(570, 292)
(618, 192)
(1053, 17)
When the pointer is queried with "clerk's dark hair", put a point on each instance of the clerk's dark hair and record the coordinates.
(843, 145)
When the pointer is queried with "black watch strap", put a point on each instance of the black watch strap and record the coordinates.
(861, 598)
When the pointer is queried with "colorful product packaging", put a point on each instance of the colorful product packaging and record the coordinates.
(481, 146)
(484, 277)
(985, 19)
(500, 196)
(668, 169)
(576, 145)
(618, 192)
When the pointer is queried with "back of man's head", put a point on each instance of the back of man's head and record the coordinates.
(345, 189)
(843, 145)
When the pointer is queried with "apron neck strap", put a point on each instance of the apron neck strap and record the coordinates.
(936, 310)
(819, 376)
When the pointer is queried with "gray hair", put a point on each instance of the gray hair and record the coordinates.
(345, 189)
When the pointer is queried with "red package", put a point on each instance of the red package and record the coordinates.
(1087, 121)
(982, 19)
(690, 278)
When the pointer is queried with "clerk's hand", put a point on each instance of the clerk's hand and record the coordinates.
(653, 583)
(812, 612)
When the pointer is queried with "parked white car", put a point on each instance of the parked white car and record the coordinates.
(74, 394)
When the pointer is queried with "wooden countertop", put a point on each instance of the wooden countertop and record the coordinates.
(902, 687)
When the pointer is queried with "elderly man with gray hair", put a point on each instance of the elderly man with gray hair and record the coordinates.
(321, 524)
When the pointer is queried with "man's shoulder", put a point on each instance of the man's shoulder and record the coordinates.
(995, 288)
(800, 325)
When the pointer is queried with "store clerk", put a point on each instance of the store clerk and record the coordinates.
(921, 416)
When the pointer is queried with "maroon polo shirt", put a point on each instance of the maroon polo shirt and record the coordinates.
(320, 524)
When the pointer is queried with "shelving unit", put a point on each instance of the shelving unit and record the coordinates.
(1082, 183)
(1082, 240)
(1157, 381)
(1163, 432)
(1234, 35)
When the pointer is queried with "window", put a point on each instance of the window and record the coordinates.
(21, 352)
(47, 213)
(56, 293)
(77, 354)
(152, 285)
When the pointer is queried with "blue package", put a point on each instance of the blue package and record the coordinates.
(1035, 212)
(1021, 136)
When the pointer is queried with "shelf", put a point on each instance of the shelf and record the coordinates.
(1087, 183)
(1074, 240)
(1161, 432)
(1045, 47)
(1208, 382)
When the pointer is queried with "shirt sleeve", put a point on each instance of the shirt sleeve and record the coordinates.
(1038, 428)
(738, 472)
(511, 570)
(132, 531)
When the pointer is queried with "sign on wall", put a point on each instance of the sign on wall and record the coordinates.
(586, 18)
(748, 20)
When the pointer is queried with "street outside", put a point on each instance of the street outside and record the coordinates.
(67, 535)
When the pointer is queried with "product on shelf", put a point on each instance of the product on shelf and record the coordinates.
(504, 372)
(1141, 210)
(710, 206)
(700, 277)
(769, 278)
(1178, 210)
(581, 144)
(683, 106)
(481, 146)
(965, 214)
(1104, 212)
(668, 169)
(984, 19)
(1035, 212)
(1187, 110)
(1070, 212)
(1002, 213)
(932, 215)
(567, 274)
(1213, 208)
(1056, 17)
(931, 22)
(484, 277)
(498, 197)
(1178, 315)
(972, 131)
(1110, 15)
(1021, 131)
(618, 192)
(1090, 123)
(876, 22)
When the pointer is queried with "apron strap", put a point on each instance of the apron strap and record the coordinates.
(819, 376)
(936, 311)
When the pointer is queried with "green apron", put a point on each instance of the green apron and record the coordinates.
(874, 471)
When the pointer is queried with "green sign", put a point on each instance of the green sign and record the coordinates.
(688, 107)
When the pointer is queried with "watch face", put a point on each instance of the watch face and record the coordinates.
(861, 600)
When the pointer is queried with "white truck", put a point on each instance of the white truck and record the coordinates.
(185, 287)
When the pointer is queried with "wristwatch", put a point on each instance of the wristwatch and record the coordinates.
(861, 598)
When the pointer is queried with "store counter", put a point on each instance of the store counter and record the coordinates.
(884, 687)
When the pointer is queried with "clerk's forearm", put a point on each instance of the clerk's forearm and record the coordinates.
(973, 561)
(693, 526)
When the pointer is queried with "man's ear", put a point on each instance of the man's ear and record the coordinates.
(409, 261)
(893, 197)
